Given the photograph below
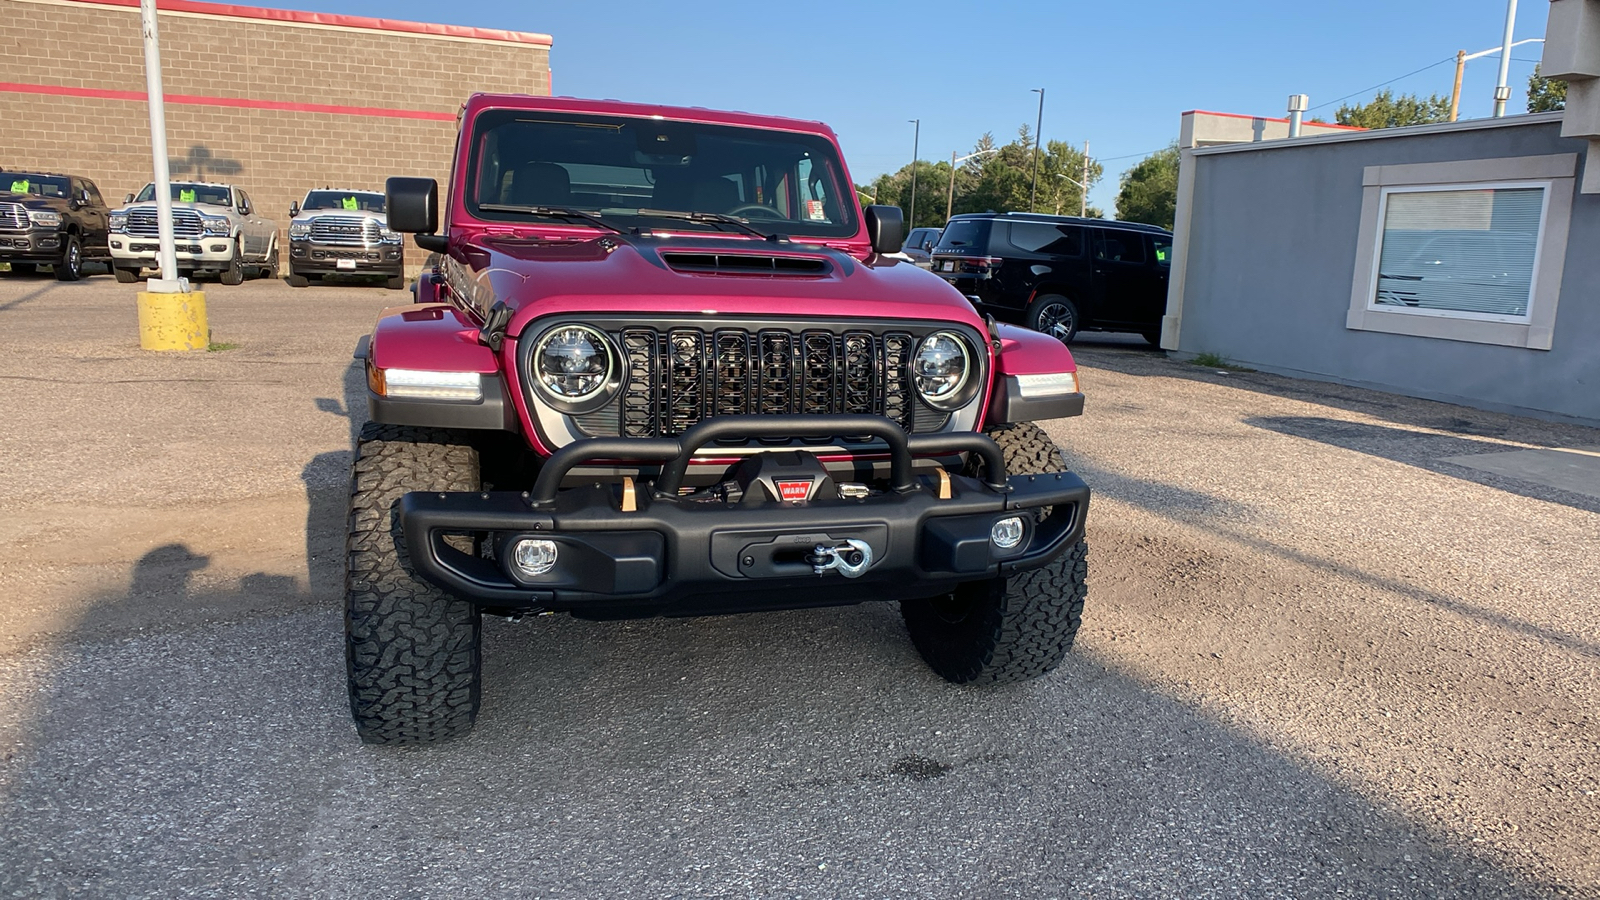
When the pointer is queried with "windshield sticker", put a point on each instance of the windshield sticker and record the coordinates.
(351, 204)
(185, 196)
(814, 211)
(19, 187)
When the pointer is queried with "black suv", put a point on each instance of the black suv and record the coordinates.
(54, 220)
(1059, 274)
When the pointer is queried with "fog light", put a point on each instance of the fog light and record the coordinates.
(537, 557)
(1006, 533)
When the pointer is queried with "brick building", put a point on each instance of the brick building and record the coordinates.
(274, 101)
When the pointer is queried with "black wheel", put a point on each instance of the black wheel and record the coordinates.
(125, 276)
(234, 273)
(396, 283)
(1152, 336)
(1054, 315)
(412, 650)
(296, 280)
(1006, 629)
(71, 266)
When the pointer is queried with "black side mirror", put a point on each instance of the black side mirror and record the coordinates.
(413, 205)
(886, 228)
(294, 208)
(127, 198)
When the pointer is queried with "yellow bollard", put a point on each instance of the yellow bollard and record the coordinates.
(173, 321)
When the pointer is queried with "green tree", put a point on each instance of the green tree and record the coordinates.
(1149, 191)
(1545, 94)
(1388, 111)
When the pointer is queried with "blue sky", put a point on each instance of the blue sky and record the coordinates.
(1117, 74)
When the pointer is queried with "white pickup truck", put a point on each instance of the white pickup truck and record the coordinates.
(216, 227)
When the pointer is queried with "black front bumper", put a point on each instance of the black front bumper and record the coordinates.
(694, 555)
(37, 246)
(311, 258)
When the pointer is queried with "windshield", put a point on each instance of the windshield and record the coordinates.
(620, 169)
(965, 234)
(184, 192)
(354, 201)
(29, 183)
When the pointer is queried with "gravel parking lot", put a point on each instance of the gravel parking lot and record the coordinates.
(1323, 656)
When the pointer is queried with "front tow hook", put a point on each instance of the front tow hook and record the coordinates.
(850, 558)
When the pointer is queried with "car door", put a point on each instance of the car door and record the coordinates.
(1126, 281)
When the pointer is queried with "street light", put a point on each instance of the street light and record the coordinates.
(1463, 57)
(950, 199)
(1033, 187)
(916, 140)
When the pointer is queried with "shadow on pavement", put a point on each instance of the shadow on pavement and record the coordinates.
(802, 753)
(1423, 449)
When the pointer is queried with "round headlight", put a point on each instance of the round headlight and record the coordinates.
(941, 367)
(573, 363)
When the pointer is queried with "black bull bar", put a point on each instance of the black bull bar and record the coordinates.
(624, 550)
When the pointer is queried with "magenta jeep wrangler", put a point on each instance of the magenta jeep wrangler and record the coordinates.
(665, 367)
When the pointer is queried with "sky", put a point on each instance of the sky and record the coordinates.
(1115, 74)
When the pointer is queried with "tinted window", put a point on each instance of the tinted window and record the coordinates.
(94, 193)
(622, 168)
(1120, 246)
(965, 234)
(355, 201)
(189, 192)
(1043, 237)
(28, 183)
(1163, 246)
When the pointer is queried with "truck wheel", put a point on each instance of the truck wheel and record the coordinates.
(1008, 628)
(411, 649)
(125, 276)
(1054, 315)
(1152, 336)
(24, 268)
(270, 270)
(234, 273)
(71, 266)
(396, 283)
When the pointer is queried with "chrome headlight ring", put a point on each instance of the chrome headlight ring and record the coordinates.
(575, 368)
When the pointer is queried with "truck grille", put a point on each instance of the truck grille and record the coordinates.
(13, 216)
(144, 222)
(349, 231)
(676, 377)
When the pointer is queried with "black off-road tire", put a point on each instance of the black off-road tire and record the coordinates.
(269, 268)
(412, 650)
(1013, 628)
(125, 275)
(1152, 337)
(234, 273)
(71, 266)
(396, 283)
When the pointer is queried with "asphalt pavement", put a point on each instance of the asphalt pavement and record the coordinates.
(1321, 657)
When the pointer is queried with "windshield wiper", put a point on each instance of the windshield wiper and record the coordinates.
(711, 218)
(553, 212)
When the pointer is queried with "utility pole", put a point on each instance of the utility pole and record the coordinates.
(167, 255)
(1502, 92)
(916, 141)
(1455, 92)
(1033, 187)
(1083, 186)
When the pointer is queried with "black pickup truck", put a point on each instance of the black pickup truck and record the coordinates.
(54, 220)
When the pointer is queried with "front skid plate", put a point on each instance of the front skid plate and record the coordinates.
(673, 555)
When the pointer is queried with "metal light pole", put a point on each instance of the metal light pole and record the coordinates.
(1502, 91)
(950, 199)
(1463, 57)
(916, 141)
(1033, 187)
(168, 256)
(1083, 196)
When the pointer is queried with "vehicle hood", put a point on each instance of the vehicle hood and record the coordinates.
(34, 201)
(202, 208)
(694, 275)
(380, 218)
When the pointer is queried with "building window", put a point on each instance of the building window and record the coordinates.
(1467, 251)
(1464, 250)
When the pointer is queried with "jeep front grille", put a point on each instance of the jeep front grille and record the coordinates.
(349, 231)
(13, 216)
(676, 377)
(143, 222)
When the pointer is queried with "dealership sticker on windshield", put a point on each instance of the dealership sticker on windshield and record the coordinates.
(814, 211)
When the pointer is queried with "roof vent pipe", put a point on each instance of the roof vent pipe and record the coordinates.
(1297, 108)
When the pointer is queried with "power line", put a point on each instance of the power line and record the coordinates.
(1386, 83)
